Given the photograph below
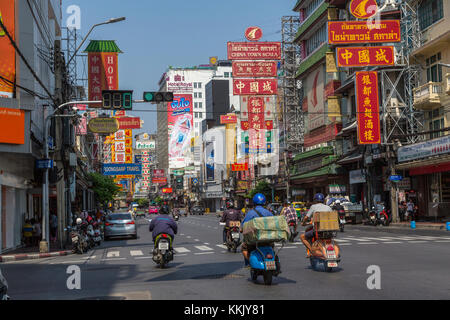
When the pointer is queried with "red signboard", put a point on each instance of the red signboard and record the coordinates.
(255, 87)
(254, 50)
(256, 113)
(342, 32)
(365, 56)
(228, 119)
(253, 69)
(129, 123)
(253, 33)
(366, 84)
(167, 190)
(103, 74)
(239, 167)
(161, 181)
(244, 125)
(158, 173)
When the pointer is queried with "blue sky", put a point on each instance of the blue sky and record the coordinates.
(162, 33)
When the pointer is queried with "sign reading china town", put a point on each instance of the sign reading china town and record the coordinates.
(253, 33)
(365, 56)
(252, 69)
(343, 32)
(254, 50)
(368, 110)
(255, 87)
(363, 9)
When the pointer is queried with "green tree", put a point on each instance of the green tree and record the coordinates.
(142, 203)
(262, 187)
(104, 188)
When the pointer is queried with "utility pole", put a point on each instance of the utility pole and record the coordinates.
(393, 187)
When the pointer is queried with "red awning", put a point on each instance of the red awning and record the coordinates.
(442, 167)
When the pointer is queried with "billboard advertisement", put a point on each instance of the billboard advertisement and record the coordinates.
(115, 169)
(103, 74)
(12, 124)
(314, 99)
(180, 123)
(209, 154)
(368, 109)
(7, 52)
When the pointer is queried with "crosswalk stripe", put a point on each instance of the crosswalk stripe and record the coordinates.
(203, 253)
(357, 239)
(222, 246)
(389, 242)
(135, 253)
(112, 254)
(368, 243)
(181, 250)
(203, 248)
(341, 240)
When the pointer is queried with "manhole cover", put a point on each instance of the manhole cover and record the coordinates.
(104, 298)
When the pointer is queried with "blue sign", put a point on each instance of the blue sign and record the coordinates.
(44, 164)
(195, 180)
(138, 159)
(114, 169)
(396, 178)
(50, 142)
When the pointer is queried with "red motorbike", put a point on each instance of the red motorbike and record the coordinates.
(292, 229)
(233, 236)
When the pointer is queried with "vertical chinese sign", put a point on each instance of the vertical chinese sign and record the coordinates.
(7, 52)
(103, 70)
(366, 83)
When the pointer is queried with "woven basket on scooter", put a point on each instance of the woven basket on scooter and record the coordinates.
(266, 229)
(326, 221)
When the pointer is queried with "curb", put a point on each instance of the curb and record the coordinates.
(30, 256)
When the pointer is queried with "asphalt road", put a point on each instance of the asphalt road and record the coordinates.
(413, 265)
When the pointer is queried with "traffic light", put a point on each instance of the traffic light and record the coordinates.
(157, 97)
(117, 99)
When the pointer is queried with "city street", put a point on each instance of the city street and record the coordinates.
(414, 265)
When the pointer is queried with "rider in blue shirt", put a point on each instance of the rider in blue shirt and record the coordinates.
(258, 200)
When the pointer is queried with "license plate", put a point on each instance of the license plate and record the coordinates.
(163, 246)
(332, 264)
(235, 235)
(74, 239)
(331, 256)
(270, 265)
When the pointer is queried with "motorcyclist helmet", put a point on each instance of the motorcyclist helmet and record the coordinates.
(79, 221)
(338, 202)
(259, 199)
(319, 197)
(230, 205)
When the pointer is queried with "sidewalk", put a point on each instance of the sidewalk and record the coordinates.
(26, 253)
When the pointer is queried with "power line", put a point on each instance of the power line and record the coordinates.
(29, 91)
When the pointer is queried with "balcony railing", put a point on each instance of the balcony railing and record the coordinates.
(427, 96)
(447, 77)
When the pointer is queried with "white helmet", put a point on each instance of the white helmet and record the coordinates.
(338, 201)
(79, 221)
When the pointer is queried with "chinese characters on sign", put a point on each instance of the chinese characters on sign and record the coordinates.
(255, 87)
(342, 32)
(254, 69)
(366, 84)
(365, 56)
(239, 167)
(103, 74)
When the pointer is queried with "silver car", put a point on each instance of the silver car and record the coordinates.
(120, 225)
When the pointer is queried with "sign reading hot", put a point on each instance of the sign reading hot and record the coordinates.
(253, 33)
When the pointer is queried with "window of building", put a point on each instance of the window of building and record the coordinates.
(317, 39)
(200, 105)
(430, 11)
(312, 6)
(195, 94)
(437, 122)
(195, 105)
(200, 115)
(226, 74)
(195, 85)
(199, 85)
(200, 95)
(434, 71)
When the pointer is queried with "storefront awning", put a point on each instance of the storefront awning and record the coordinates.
(350, 159)
(330, 169)
(348, 129)
(423, 163)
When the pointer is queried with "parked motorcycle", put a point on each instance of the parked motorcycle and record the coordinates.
(385, 217)
(342, 221)
(324, 250)
(233, 236)
(3, 288)
(373, 220)
(163, 251)
(79, 244)
(292, 229)
(264, 261)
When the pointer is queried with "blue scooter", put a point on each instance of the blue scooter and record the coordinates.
(264, 261)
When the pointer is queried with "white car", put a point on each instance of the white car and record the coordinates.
(3, 287)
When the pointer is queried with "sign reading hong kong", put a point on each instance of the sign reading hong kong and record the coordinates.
(343, 32)
(115, 169)
(254, 50)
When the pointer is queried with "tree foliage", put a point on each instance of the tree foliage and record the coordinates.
(262, 187)
(104, 187)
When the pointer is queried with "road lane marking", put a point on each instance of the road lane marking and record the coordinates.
(345, 244)
(442, 241)
(114, 259)
(181, 250)
(196, 240)
(182, 255)
(389, 242)
(188, 237)
(113, 254)
(290, 247)
(203, 248)
(357, 239)
(143, 258)
(136, 253)
(417, 241)
(206, 243)
(203, 253)
(341, 240)
(70, 262)
(368, 243)
(222, 246)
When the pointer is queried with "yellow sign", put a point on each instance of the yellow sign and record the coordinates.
(103, 125)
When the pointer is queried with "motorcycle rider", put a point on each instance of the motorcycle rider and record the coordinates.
(231, 214)
(290, 214)
(165, 209)
(318, 206)
(163, 224)
(259, 200)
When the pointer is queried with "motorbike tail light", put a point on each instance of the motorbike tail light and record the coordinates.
(330, 248)
(109, 224)
(132, 222)
(269, 256)
(164, 235)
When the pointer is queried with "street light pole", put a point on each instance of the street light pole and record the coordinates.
(113, 20)
(43, 246)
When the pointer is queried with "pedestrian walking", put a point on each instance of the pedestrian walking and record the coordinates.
(410, 210)
(53, 226)
(37, 231)
(28, 233)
